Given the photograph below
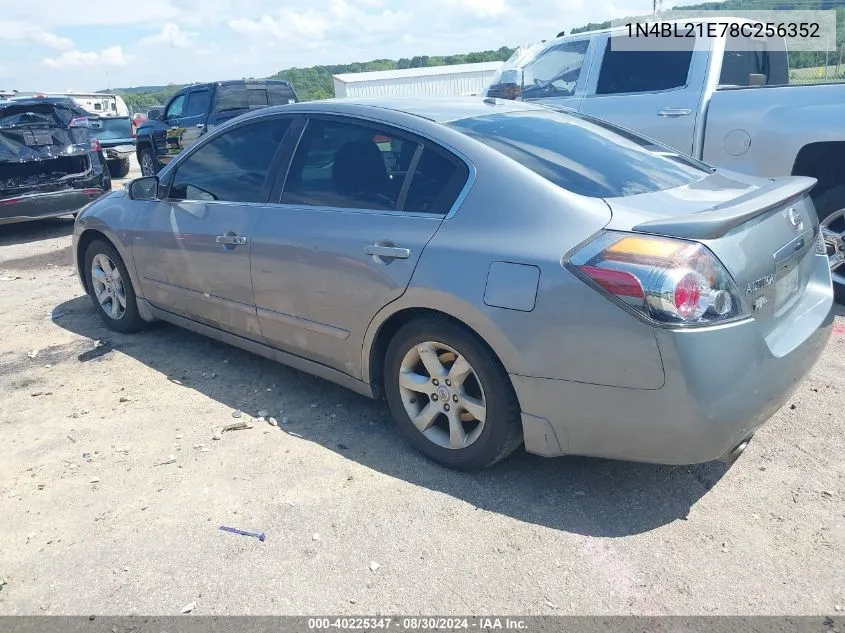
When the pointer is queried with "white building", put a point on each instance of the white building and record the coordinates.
(431, 81)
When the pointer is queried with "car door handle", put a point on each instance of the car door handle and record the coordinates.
(230, 240)
(674, 112)
(387, 251)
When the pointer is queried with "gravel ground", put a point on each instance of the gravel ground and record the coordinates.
(112, 490)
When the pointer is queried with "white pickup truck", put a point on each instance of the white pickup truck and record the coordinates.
(728, 104)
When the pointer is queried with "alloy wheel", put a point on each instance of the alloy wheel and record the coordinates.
(108, 286)
(442, 395)
(147, 167)
(833, 233)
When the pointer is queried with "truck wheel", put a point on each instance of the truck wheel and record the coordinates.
(119, 168)
(830, 205)
(148, 162)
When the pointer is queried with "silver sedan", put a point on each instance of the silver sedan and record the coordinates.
(503, 273)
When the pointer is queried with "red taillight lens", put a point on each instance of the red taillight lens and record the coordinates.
(95, 145)
(666, 280)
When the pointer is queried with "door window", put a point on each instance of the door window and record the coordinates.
(626, 71)
(359, 166)
(745, 57)
(231, 167)
(174, 110)
(555, 72)
(198, 103)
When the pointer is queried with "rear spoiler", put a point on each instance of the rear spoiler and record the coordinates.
(719, 220)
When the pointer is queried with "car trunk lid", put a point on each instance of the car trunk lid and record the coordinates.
(764, 235)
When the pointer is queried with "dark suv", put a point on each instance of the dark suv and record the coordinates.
(197, 109)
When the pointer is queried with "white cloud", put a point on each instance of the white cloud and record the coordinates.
(50, 14)
(288, 23)
(112, 56)
(483, 8)
(20, 32)
(170, 35)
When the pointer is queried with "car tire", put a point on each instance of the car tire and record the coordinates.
(830, 206)
(113, 295)
(119, 168)
(447, 432)
(148, 161)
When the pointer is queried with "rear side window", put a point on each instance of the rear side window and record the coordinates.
(625, 71)
(583, 155)
(355, 165)
(244, 97)
(232, 167)
(198, 103)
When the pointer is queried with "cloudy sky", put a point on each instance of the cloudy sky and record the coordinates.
(52, 45)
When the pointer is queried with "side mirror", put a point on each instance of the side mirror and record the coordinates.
(154, 115)
(145, 188)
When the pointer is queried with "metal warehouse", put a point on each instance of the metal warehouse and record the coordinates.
(430, 81)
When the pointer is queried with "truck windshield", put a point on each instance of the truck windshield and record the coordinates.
(245, 97)
(583, 155)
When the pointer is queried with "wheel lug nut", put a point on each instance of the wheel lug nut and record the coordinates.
(435, 382)
(448, 383)
(434, 397)
(454, 397)
(446, 407)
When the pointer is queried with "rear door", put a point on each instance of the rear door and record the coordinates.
(653, 92)
(192, 248)
(360, 201)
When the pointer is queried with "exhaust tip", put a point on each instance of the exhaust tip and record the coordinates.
(732, 455)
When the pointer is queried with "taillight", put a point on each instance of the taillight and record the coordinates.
(670, 281)
(95, 145)
(134, 131)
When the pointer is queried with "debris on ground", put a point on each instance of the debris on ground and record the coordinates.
(216, 436)
(374, 565)
(33, 353)
(123, 399)
(260, 419)
(95, 480)
(238, 426)
(315, 537)
(237, 413)
(273, 422)
(171, 459)
(188, 607)
(259, 535)
(180, 436)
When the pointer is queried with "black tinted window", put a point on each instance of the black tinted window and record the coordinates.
(625, 71)
(436, 183)
(232, 167)
(244, 97)
(198, 103)
(348, 165)
(582, 155)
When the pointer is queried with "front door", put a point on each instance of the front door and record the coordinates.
(360, 202)
(192, 249)
(653, 92)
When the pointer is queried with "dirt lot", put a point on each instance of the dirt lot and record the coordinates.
(112, 490)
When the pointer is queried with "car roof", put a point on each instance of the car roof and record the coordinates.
(437, 109)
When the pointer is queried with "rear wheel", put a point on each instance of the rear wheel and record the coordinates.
(449, 396)
(119, 168)
(148, 162)
(830, 206)
(110, 288)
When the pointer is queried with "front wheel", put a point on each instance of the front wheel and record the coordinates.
(148, 162)
(111, 288)
(450, 397)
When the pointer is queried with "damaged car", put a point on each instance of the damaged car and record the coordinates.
(47, 167)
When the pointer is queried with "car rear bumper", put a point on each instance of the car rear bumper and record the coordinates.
(119, 152)
(722, 383)
(36, 206)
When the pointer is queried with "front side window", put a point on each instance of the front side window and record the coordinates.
(583, 155)
(555, 72)
(174, 110)
(626, 71)
(232, 167)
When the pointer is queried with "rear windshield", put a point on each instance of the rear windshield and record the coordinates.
(582, 155)
(244, 97)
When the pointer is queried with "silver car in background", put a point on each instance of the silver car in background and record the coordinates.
(503, 273)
